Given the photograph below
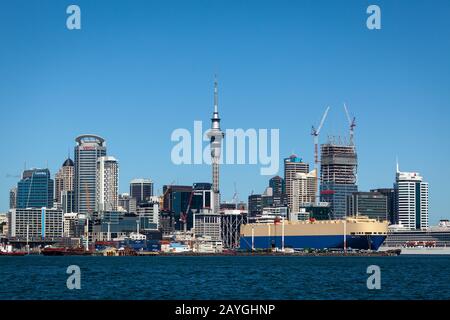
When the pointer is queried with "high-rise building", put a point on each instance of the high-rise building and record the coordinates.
(303, 189)
(338, 169)
(68, 201)
(389, 193)
(107, 188)
(255, 205)
(36, 223)
(176, 201)
(216, 136)
(124, 202)
(13, 198)
(35, 190)
(148, 214)
(278, 186)
(411, 199)
(88, 149)
(201, 197)
(64, 179)
(370, 204)
(141, 190)
(292, 166)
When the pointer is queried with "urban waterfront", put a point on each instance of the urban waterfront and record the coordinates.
(225, 277)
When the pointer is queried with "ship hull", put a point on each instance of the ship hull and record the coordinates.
(360, 233)
(372, 242)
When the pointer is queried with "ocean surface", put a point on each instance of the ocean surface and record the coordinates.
(225, 277)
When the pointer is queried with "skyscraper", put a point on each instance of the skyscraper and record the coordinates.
(13, 198)
(278, 186)
(370, 204)
(35, 190)
(338, 169)
(107, 188)
(176, 201)
(303, 189)
(216, 136)
(389, 193)
(141, 190)
(88, 149)
(411, 200)
(64, 179)
(255, 205)
(293, 165)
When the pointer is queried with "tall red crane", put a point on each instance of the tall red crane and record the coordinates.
(315, 133)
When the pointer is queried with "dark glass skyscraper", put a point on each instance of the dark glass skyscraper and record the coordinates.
(141, 190)
(35, 190)
(254, 205)
(278, 186)
(176, 201)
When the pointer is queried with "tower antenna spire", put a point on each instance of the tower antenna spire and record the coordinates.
(215, 135)
(216, 98)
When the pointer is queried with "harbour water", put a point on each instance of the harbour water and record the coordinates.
(225, 277)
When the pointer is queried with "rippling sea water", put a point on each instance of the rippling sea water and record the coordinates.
(238, 277)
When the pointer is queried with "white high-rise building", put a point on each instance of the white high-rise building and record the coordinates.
(303, 189)
(411, 199)
(107, 190)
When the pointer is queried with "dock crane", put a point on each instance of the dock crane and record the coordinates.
(315, 133)
(351, 123)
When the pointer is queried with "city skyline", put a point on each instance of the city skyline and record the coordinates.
(397, 101)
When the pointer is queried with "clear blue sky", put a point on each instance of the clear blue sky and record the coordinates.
(140, 69)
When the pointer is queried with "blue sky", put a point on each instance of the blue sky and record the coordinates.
(137, 70)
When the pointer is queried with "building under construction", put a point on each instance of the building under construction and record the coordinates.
(338, 170)
(231, 222)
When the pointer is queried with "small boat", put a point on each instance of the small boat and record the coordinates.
(13, 253)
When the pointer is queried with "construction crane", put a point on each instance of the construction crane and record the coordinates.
(315, 133)
(351, 123)
(236, 196)
(87, 215)
(184, 215)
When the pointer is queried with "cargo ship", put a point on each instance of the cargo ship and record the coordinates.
(351, 233)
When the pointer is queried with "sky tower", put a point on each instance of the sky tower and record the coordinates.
(216, 136)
